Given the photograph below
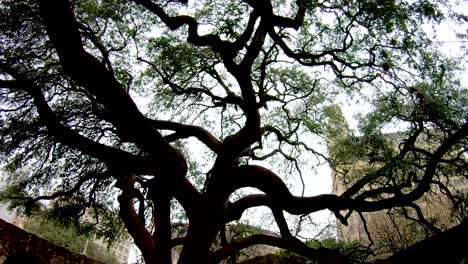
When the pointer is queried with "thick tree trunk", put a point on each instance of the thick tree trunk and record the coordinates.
(136, 228)
(160, 195)
(198, 242)
(200, 237)
(162, 232)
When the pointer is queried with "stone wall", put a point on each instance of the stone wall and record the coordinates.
(16, 243)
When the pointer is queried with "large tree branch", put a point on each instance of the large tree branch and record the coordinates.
(225, 48)
(275, 191)
(75, 188)
(230, 98)
(426, 180)
(407, 146)
(277, 194)
(280, 21)
(245, 36)
(234, 211)
(189, 197)
(81, 66)
(90, 73)
(322, 255)
(245, 137)
(133, 223)
(160, 194)
(113, 157)
(251, 131)
(255, 46)
(185, 131)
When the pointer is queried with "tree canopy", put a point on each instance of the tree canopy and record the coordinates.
(145, 105)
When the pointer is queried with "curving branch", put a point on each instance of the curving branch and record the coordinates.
(280, 21)
(282, 224)
(405, 149)
(225, 48)
(189, 197)
(113, 157)
(141, 205)
(234, 211)
(322, 255)
(230, 98)
(75, 188)
(245, 36)
(132, 221)
(251, 131)
(277, 194)
(90, 73)
(255, 46)
(185, 131)
(422, 219)
(285, 138)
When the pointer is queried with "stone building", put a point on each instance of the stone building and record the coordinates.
(395, 229)
(120, 249)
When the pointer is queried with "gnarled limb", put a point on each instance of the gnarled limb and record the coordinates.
(89, 72)
(194, 38)
(322, 255)
(111, 156)
(278, 194)
(185, 131)
(133, 223)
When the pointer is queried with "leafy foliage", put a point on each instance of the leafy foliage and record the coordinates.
(69, 239)
(173, 107)
(353, 251)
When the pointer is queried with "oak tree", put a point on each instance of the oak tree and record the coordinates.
(151, 102)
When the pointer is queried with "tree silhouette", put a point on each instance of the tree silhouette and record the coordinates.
(249, 80)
